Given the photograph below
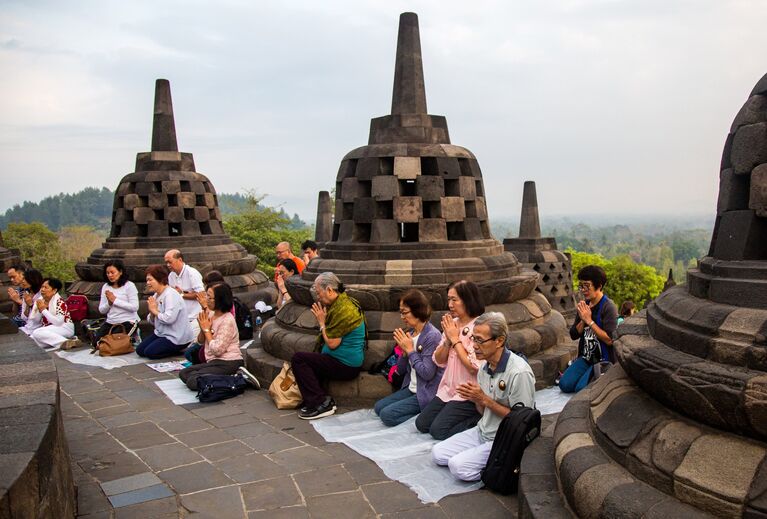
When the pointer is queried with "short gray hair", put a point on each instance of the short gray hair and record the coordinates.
(496, 321)
(329, 280)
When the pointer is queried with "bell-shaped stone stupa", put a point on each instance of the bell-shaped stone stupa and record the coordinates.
(679, 427)
(541, 255)
(410, 213)
(165, 204)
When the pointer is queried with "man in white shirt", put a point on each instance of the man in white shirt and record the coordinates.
(502, 381)
(187, 281)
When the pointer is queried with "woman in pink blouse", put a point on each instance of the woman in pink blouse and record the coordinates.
(449, 413)
(219, 337)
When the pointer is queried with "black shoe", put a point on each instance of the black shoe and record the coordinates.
(250, 377)
(327, 408)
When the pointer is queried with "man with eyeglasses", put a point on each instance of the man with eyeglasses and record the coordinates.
(594, 326)
(503, 380)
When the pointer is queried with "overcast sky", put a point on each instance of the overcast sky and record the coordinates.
(610, 106)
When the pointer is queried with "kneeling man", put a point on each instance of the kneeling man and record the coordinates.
(502, 381)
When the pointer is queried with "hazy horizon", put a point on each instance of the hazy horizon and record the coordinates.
(613, 107)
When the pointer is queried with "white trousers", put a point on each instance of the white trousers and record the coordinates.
(53, 336)
(465, 454)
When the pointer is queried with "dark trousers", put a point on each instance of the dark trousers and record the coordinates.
(190, 375)
(444, 419)
(310, 369)
(154, 347)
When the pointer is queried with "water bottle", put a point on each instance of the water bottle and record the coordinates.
(259, 322)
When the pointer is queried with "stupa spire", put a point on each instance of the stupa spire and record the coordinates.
(529, 224)
(409, 95)
(164, 125)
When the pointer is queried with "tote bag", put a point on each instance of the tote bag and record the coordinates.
(284, 389)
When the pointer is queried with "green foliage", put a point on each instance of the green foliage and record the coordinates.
(40, 246)
(91, 206)
(626, 279)
(259, 229)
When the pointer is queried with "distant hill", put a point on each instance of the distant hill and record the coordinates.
(93, 207)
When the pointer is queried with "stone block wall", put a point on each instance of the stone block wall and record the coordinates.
(35, 475)
(394, 199)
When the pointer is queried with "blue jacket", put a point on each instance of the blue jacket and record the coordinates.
(428, 373)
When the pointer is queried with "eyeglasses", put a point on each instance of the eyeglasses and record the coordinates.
(403, 313)
(585, 286)
(480, 340)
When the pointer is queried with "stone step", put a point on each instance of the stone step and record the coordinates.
(574, 469)
(547, 364)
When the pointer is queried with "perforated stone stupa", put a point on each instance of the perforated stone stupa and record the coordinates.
(411, 212)
(679, 427)
(541, 255)
(165, 204)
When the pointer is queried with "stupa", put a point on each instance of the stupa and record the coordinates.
(679, 427)
(410, 212)
(541, 255)
(165, 204)
(8, 258)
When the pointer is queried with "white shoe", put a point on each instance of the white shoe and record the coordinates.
(250, 377)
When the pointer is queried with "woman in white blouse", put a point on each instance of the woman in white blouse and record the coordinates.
(167, 312)
(52, 314)
(119, 299)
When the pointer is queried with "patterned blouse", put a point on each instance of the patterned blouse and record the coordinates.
(57, 313)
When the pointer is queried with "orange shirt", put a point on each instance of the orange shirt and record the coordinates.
(299, 264)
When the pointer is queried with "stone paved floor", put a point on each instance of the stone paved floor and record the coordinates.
(236, 458)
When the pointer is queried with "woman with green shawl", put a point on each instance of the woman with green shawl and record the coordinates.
(341, 343)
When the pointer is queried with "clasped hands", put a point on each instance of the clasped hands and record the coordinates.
(584, 312)
(472, 392)
(450, 329)
(404, 340)
(319, 313)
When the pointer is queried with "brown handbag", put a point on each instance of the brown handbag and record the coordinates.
(116, 342)
(284, 389)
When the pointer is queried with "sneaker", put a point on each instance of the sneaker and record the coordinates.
(250, 377)
(327, 408)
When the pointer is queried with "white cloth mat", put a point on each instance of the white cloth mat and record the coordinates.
(404, 454)
(551, 400)
(85, 357)
(177, 391)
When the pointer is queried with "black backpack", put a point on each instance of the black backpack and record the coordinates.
(518, 428)
(244, 320)
(212, 388)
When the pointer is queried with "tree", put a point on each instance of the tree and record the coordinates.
(259, 229)
(626, 279)
(78, 241)
(40, 246)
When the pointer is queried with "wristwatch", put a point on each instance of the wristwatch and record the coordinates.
(591, 324)
(206, 330)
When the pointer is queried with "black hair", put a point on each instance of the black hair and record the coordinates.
(309, 244)
(289, 264)
(54, 283)
(119, 265)
(469, 294)
(595, 274)
(35, 279)
(626, 308)
(18, 267)
(223, 298)
(213, 278)
(418, 304)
